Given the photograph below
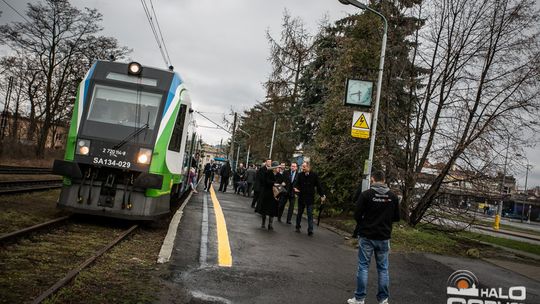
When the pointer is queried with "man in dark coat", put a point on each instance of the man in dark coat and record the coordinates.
(292, 177)
(225, 173)
(208, 175)
(305, 187)
(258, 182)
(268, 205)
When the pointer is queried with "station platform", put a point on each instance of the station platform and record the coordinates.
(222, 255)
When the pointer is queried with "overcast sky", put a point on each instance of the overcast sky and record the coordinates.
(218, 47)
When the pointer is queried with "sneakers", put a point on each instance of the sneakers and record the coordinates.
(385, 301)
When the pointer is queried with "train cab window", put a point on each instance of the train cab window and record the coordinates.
(176, 139)
(125, 107)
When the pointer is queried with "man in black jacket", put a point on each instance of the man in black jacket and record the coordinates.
(305, 188)
(376, 209)
(208, 175)
(225, 174)
(291, 196)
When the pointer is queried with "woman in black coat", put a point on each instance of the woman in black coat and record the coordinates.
(268, 205)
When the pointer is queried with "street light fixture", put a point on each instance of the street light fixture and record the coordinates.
(369, 162)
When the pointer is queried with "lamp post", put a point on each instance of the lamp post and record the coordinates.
(367, 169)
(526, 178)
(273, 130)
(499, 208)
(249, 146)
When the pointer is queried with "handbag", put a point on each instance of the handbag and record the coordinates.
(278, 190)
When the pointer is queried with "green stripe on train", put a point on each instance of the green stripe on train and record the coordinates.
(159, 163)
(72, 134)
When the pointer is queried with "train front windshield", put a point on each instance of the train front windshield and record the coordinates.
(115, 113)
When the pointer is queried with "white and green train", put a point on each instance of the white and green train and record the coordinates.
(127, 151)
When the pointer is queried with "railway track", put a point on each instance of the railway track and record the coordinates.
(74, 272)
(45, 228)
(26, 231)
(23, 186)
(24, 170)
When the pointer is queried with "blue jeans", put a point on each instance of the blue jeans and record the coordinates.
(309, 208)
(365, 251)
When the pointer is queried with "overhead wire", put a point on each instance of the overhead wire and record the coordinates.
(160, 33)
(160, 42)
(215, 123)
(24, 18)
(16, 11)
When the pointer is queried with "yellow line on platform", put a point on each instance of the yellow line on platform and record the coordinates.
(224, 247)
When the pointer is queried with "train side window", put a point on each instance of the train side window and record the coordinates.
(176, 139)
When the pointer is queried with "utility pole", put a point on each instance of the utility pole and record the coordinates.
(231, 151)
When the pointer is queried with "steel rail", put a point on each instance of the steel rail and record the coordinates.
(24, 170)
(24, 186)
(11, 235)
(73, 273)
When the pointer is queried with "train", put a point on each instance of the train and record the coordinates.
(128, 145)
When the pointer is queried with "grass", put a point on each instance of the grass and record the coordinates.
(427, 238)
(513, 244)
(23, 210)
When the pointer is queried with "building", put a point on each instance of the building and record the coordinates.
(474, 190)
(17, 129)
(209, 152)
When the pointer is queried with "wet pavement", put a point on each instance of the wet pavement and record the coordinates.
(283, 266)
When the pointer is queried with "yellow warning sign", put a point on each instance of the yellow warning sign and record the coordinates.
(360, 124)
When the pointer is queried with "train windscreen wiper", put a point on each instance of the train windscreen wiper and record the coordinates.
(137, 131)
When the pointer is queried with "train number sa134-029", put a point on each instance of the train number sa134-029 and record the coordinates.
(111, 162)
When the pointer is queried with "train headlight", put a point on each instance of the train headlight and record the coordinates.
(83, 147)
(144, 156)
(134, 68)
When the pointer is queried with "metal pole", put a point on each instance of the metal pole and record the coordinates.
(523, 205)
(231, 151)
(237, 156)
(272, 142)
(247, 158)
(369, 163)
(499, 208)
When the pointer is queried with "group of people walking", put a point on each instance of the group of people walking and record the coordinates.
(275, 186)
